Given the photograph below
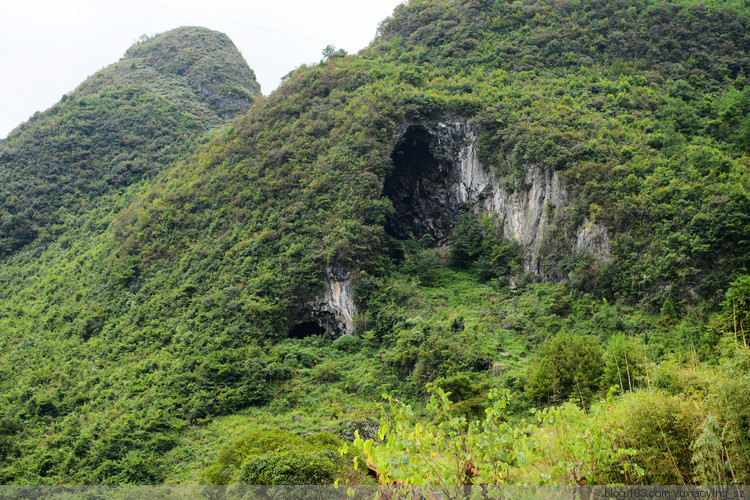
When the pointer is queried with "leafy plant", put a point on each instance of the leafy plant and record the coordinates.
(568, 365)
(446, 450)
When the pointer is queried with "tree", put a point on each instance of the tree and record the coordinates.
(330, 52)
(736, 310)
(568, 365)
(624, 363)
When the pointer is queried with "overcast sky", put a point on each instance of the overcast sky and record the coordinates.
(48, 47)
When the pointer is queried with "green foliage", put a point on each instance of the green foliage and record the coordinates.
(569, 446)
(8, 429)
(661, 428)
(568, 365)
(478, 244)
(278, 457)
(347, 343)
(227, 83)
(419, 259)
(288, 467)
(582, 448)
(126, 123)
(736, 310)
(150, 272)
(708, 455)
(468, 396)
(728, 401)
(445, 451)
(466, 241)
(641, 437)
(624, 363)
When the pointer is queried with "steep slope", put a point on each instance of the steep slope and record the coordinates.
(125, 123)
(605, 163)
(600, 144)
(67, 172)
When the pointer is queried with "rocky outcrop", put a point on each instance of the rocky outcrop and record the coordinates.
(337, 299)
(593, 239)
(526, 210)
(437, 175)
(331, 311)
(422, 185)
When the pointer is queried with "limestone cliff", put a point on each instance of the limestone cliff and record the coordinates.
(437, 175)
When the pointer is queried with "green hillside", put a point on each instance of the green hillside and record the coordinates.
(126, 123)
(521, 196)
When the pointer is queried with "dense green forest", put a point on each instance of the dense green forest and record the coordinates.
(505, 243)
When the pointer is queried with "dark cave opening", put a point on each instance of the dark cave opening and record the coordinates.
(420, 188)
(306, 329)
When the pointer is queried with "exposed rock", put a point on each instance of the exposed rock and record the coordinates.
(422, 182)
(366, 428)
(332, 311)
(437, 175)
(592, 238)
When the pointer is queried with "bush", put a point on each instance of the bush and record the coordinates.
(289, 467)
(347, 343)
(568, 365)
(9, 427)
(466, 241)
(477, 244)
(327, 371)
(661, 428)
(468, 397)
(278, 457)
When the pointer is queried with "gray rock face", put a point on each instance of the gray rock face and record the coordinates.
(437, 175)
(593, 239)
(337, 298)
(331, 311)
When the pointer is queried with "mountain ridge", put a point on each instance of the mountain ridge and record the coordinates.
(95, 139)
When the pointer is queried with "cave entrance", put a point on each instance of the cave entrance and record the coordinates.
(421, 188)
(306, 329)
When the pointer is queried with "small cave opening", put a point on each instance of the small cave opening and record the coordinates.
(306, 329)
(420, 188)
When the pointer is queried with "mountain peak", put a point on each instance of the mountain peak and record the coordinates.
(207, 59)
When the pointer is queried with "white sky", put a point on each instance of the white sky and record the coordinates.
(48, 47)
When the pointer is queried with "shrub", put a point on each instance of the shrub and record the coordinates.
(661, 428)
(478, 244)
(327, 371)
(582, 447)
(468, 397)
(278, 457)
(568, 365)
(347, 343)
(289, 467)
